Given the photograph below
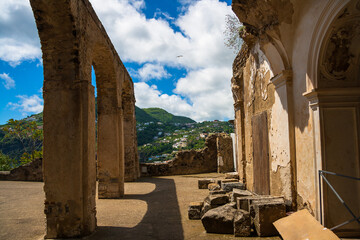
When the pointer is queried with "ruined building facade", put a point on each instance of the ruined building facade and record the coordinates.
(72, 41)
(296, 88)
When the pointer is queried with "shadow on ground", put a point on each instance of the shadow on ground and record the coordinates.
(162, 219)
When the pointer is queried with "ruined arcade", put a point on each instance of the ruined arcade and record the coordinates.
(296, 91)
(73, 40)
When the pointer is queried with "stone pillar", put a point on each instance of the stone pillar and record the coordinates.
(281, 136)
(131, 160)
(225, 158)
(110, 148)
(240, 140)
(69, 158)
(234, 143)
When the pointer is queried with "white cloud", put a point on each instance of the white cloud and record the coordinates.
(152, 71)
(149, 96)
(28, 104)
(214, 104)
(200, 43)
(8, 82)
(19, 40)
(139, 39)
(154, 42)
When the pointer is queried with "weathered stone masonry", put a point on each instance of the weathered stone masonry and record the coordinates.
(297, 103)
(216, 156)
(72, 40)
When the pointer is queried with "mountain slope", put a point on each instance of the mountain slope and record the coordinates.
(142, 116)
(163, 116)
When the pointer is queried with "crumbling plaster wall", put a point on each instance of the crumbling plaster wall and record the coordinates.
(283, 30)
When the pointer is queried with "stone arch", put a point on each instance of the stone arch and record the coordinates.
(334, 93)
(109, 81)
(330, 12)
(73, 39)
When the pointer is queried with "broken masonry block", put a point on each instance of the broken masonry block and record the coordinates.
(203, 183)
(213, 186)
(267, 212)
(220, 219)
(242, 224)
(229, 186)
(239, 193)
(217, 199)
(232, 175)
(206, 207)
(194, 210)
(214, 192)
(214, 201)
(245, 201)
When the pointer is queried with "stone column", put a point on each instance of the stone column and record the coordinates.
(110, 148)
(129, 136)
(69, 158)
(240, 140)
(282, 140)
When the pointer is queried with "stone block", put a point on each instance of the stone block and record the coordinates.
(213, 186)
(217, 199)
(220, 219)
(206, 207)
(232, 175)
(242, 224)
(194, 211)
(203, 183)
(229, 186)
(267, 212)
(245, 202)
(214, 192)
(239, 193)
(220, 181)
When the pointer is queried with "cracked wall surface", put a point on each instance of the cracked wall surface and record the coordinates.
(297, 65)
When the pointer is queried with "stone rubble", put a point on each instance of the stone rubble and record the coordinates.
(194, 211)
(242, 224)
(203, 183)
(213, 187)
(231, 209)
(229, 186)
(232, 175)
(220, 219)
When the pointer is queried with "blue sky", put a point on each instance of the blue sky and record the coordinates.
(174, 51)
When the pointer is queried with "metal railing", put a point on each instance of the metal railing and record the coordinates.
(322, 175)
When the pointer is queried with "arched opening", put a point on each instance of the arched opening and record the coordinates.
(335, 100)
(110, 125)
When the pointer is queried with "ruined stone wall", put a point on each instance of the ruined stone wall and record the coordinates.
(299, 43)
(266, 92)
(195, 161)
(28, 172)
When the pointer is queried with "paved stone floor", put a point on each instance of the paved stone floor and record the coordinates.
(153, 208)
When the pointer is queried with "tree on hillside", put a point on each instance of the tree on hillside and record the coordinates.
(6, 163)
(29, 136)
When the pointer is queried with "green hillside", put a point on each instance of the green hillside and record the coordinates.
(163, 116)
(142, 116)
(159, 135)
